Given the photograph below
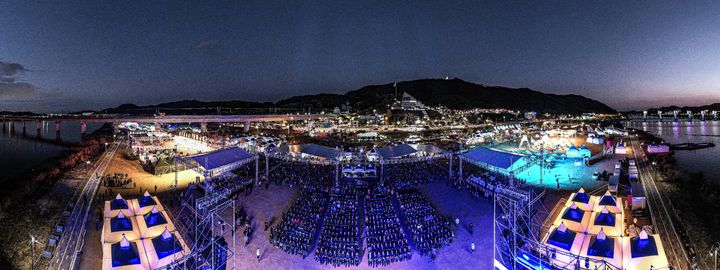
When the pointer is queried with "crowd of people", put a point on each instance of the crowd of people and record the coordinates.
(339, 243)
(404, 175)
(117, 180)
(296, 231)
(386, 241)
(428, 229)
(303, 175)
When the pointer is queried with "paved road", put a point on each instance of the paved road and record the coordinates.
(73, 237)
(661, 212)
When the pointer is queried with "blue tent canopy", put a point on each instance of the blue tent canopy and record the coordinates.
(643, 247)
(221, 158)
(166, 247)
(124, 255)
(607, 200)
(581, 197)
(562, 239)
(395, 151)
(116, 204)
(118, 224)
(605, 219)
(146, 201)
(499, 159)
(154, 219)
(602, 247)
(320, 151)
(574, 214)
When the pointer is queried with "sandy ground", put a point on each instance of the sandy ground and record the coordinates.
(144, 180)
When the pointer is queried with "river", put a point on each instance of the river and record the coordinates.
(20, 154)
(704, 160)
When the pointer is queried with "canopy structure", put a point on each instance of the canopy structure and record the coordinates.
(611, 224)
(115, 206)
(583, 200)
(429, 150)
(154, 223)
(407, 153)
(124, 255)
(574, 218)
(603, 250)
(115, 228)
(224, 160)
(494, 160)
(644, 250)
(165, 249)
(566, 241)
(397, 151)
(613, 204)
(144, 204)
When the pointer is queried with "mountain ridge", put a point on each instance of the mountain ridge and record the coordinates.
(454, 94)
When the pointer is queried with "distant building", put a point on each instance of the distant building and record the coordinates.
(530, 115)
(408, 102)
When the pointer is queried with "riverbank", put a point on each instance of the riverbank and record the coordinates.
(693, 197)
(40, 197)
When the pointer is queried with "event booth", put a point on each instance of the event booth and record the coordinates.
(124, 255)
(165, 249)
(574, 218)
(117, 205)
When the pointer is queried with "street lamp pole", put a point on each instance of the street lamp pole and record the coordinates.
(714, 252)
(32, 251)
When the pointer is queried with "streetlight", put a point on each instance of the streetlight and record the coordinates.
(714, 251)
(32, 248)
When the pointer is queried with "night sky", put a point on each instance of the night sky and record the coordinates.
(62, 56)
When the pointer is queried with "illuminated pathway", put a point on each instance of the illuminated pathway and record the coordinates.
(661, 215)
(73, 236)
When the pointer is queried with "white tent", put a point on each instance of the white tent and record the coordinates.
(613, 204)
(154, 223)
(165, 249)
(144, 204)
(643, 251)
(603, 251)
(583, 200)
(565, 241)
(610, 223)
(574, 218)
(124, 255)
(117, 205)
(119, 227)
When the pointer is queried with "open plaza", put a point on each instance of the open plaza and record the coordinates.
(526, 196)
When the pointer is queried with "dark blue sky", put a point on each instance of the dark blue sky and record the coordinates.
(94, 54)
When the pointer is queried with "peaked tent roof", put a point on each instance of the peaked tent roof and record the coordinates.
(221, 158)
(395, 151)
(430, 149)
(503, 160)
(319, 151)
